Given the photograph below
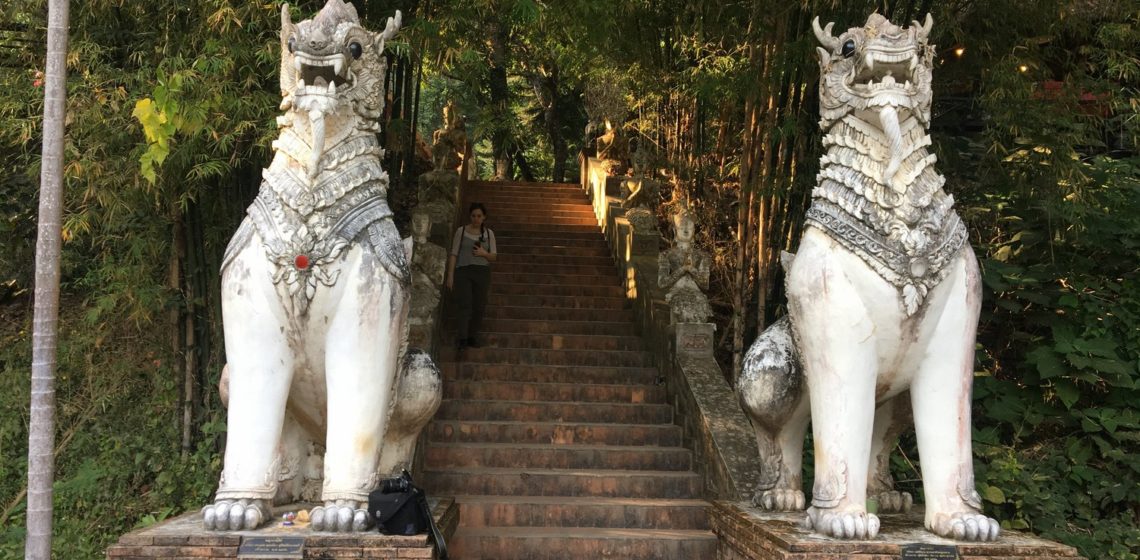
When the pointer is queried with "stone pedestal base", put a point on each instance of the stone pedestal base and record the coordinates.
(694, 340)
(184, 537)
(746, 533)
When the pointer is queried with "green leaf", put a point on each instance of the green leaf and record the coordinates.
(1067, 392)
(1078, 361)
(1063, 338)
(1115, 366)
(1103, 347)
(1109, 419)
(1047, 362)
(993, 494)
(152, 119)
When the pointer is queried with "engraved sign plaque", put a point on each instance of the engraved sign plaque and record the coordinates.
(919, 551)
(272, 547)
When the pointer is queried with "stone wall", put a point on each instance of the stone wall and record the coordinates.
(715, 427)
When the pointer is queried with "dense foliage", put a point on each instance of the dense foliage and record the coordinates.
(172, 110)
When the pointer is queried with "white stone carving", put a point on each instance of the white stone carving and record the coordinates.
(883, 301)
(683, 274)
(429, 265)
(438, 189)
(315, 288)
(449, 142)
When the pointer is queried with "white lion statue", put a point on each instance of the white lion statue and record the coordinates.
(323, 399)
(883, 301)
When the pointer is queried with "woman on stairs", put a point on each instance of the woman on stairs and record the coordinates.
(469, 274)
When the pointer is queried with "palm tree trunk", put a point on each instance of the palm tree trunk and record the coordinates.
(41, 431)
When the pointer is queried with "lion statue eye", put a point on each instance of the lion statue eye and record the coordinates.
(848, 48)
(355, 49)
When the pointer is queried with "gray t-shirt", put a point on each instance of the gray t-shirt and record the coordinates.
(464, 243)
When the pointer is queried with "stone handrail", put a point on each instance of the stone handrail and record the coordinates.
(715, 427)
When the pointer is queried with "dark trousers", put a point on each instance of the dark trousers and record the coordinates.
(471, 286)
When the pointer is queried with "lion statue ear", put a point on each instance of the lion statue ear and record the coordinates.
(390, 30)
(288, 74)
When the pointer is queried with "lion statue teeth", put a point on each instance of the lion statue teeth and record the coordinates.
(883, 301)
(324, 399)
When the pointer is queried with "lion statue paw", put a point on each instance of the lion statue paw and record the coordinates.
(341, 516)
(964, 526)
(235, 515)
(853, 524)
(779, 500)
(894, 502)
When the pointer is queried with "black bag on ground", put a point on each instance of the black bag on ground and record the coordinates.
(397, 513)
(401, 508)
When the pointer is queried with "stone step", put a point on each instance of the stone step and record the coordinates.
(518, 190)
(531, 278)
(537, 195)
(565, 392)
(446, 481)
(544, 373)
(542, 226)
(541, 341)
(487, 197)
(510, 215)
(579, 290)
(560, 301)
(535, 411)
(552, 243)
(540, 237)
(484, 187)
(557, 433)
(565, 328)
(525, 230)
(547, 259)
(551, 357)
(560, 543)
(538, 205)
(553, 456)
(508, 223)
(558, 314)
(456, 431)
(494, 202)
(527, 212)
(596, 250)
(564, 511)
(503, 189)
(604, 275)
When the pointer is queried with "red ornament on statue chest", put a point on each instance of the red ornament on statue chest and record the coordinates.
(301, 262)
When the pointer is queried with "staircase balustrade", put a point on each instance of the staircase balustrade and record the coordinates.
(715, 427)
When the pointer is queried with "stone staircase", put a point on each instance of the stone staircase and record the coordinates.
(554, 437)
